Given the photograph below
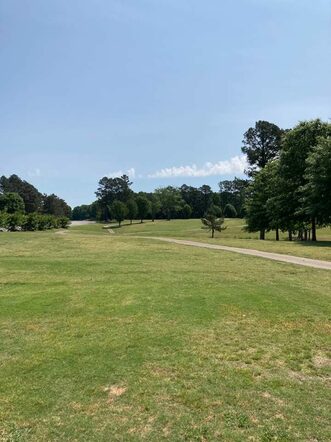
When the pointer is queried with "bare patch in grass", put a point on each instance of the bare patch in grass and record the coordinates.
(321, 361)
(114, 391)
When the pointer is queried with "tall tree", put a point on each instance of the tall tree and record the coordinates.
(53, 205)
(30, 195)
(111, 189)
(132, 209)
(316, 193)
(261, 144)
(256, 205)
(118, 211)
(144, 207)
(297, 145)
(155, 205)
(170, 199)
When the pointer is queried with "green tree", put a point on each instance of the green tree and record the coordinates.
(234, 193)
(30, 195)
(186, 211)
(256, 204)
(11, 202)
(297, 145)
(111, 189)
(53, 205)
(214, 210)
(170, 199)
(230, 211)
(316, 193)
(155, 206)
(132, 210)
(212, 223)
(119, 211)
(144, 207)
(261, 144)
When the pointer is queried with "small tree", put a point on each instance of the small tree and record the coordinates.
(186, 211)
(144, 207)
(132, 209)
(212, 224)
(230, 211)
(119, 211)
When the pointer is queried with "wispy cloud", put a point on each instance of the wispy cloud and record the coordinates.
(130, 172)
(235, 164)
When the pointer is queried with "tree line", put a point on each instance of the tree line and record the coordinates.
(23, 207)
(116, 200)
(288, 187)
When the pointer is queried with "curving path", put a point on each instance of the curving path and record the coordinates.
(316, 263)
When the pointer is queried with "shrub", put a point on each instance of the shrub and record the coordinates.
(230, 211)
(63, 222)
(15, 221)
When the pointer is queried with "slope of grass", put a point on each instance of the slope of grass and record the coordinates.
(234, 235)
(108, 337)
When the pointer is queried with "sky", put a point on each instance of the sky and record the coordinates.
(162, 90)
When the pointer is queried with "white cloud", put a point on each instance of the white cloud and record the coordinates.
(235, 164)
(34, 173)
(130, 172)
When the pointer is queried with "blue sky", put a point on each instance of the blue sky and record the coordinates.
(164, 89)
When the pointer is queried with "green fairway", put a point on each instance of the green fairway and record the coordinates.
(109, 337)
(234, 235)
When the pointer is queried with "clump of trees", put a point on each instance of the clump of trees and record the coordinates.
(33, 221)
(23, 207)
(291, 191)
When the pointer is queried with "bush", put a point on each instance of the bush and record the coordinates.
(230, 211)
(15, 221)
(32, 222)
(63, 222)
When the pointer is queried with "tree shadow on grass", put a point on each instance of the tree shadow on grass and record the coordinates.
(125, 224)
(314, 243)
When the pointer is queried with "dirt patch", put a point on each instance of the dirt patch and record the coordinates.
(321, 361)
(114, 391)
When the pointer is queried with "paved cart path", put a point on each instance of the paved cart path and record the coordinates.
(316, 263)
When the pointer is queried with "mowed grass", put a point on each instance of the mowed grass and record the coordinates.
(115, 338)
(234, 235)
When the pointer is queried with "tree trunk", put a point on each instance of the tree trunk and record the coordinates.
(262, 234)
(313, 230)
(212, 233)
(290, 235)
(306, 234)
(277, 234)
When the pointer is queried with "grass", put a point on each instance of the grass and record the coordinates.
(111, 337)
(234, 235)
